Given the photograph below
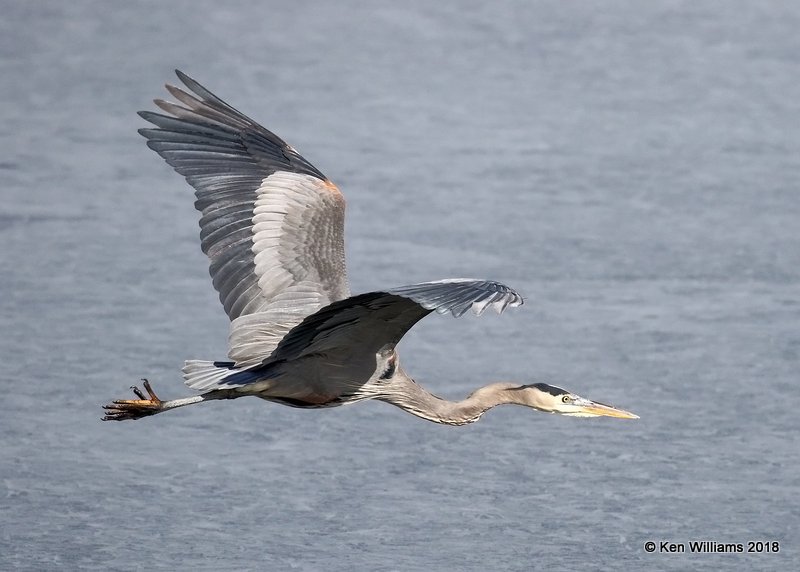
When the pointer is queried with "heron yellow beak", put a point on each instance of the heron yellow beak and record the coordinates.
(601, 409)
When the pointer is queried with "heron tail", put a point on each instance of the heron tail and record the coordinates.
(204, 375)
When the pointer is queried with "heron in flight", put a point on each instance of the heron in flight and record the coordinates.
(272, 227)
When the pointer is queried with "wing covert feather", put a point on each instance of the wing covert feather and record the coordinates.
(372, 320)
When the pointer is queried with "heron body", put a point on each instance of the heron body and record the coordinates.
(272, 227)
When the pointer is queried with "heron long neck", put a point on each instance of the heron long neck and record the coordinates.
(413, 398)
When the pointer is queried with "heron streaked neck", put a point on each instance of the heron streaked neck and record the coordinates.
(412, 397)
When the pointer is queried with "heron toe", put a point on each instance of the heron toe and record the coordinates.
(122, 409)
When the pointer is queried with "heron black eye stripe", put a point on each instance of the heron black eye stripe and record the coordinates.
(551, 389)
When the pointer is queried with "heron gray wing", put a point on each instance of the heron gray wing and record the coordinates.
(271, 225)
(368, 322)
(346, 332)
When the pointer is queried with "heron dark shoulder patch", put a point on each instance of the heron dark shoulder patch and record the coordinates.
(391, 367)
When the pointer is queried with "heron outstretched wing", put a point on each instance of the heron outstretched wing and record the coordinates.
(272, 224)
(372, 320)
(345, 332)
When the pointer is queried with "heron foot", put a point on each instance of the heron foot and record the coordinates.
(122, 409)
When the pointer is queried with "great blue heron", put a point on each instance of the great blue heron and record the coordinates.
(272, 225)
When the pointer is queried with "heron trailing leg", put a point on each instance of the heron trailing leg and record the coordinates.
(123, 409)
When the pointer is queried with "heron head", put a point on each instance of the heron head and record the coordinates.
(552, 399)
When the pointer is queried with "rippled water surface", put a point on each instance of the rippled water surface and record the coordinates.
(631, 167)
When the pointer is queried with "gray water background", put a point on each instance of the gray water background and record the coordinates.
(630, 167)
